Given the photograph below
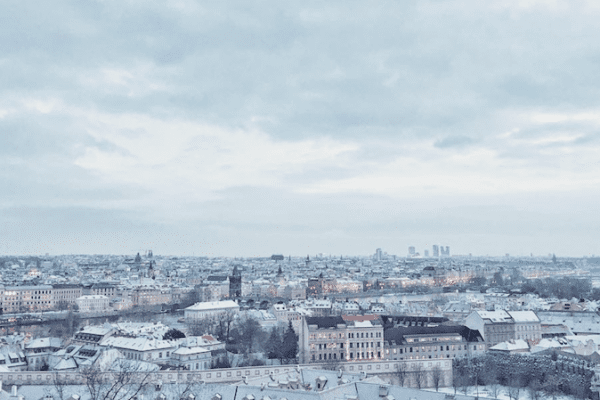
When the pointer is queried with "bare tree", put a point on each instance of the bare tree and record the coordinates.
(551, 385)
(513, 392)
(182, 390)
(199, 327)
(419, 376)
(457, 380)
(225, 320)
(58, 388)
(125, 380)
(534, 390)
(494, 389)
(401, 373)
(489, 374)
(437, 375)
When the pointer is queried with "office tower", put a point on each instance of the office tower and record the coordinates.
(411, 250)
(378, 254)
(436, 250)
(426, 253)
(447, 251)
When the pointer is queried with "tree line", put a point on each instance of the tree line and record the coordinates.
(547, 374)
(246, 337)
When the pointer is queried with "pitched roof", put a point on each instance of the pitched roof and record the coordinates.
(397, 334)
(325, 322)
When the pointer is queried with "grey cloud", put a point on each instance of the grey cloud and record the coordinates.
(454, 141)
(257, 221)
(403, 73)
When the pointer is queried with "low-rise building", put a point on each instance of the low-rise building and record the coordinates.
(210, 309)
(150, 296)
(93, 334)
(502, 326)
(12, 358)
(191, 358)
(38, 350)
(104, 289)
(141, 348)
(93, 304)
(432, 342)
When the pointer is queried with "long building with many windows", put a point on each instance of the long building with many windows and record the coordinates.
(432, 342)
(341, 339)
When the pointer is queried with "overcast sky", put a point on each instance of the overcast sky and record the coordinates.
(252, 128)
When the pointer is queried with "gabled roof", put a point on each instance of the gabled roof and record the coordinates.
(213, 305)
(44, 343)
(136, 344)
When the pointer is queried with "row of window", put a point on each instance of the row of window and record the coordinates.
(333, 356)
(435, 348)
(351, 335)
(434, 339)
(138, 356)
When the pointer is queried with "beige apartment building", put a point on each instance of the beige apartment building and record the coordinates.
(16, 299)
(338, 339)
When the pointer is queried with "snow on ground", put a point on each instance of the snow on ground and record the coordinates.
(486, 392)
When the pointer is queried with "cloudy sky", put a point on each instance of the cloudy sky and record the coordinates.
(252, 128)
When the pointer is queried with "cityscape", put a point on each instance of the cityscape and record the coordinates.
(287, 325)
(342, 200)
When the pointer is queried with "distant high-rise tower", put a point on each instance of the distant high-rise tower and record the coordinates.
(436, 250)
(411, 250)
(378, 254)
(425, 253)
(447, 251)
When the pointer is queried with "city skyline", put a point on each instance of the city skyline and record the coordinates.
(227, 130)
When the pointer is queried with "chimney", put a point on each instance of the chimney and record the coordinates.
(321, 381)
(383, 391)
